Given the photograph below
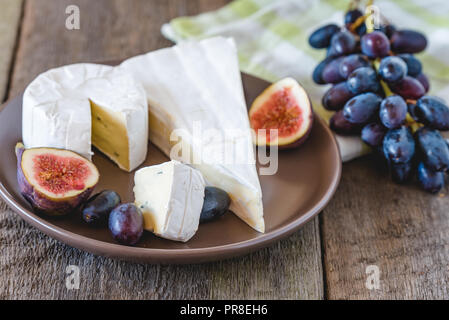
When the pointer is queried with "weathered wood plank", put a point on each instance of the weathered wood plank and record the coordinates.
(291, 269)
(400, 229)
(10, 14)
(33, 265)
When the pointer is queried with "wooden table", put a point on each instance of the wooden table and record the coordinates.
(370, 222)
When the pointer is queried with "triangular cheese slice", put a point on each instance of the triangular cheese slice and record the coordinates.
(195, 91)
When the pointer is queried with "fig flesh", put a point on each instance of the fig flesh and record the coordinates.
(54, 181)
(282, 115)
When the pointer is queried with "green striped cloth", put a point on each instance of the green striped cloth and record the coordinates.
(271, 37)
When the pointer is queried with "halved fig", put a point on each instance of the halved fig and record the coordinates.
(54, 181)
(282, 115)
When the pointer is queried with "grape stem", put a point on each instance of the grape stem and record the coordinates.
(357, 23)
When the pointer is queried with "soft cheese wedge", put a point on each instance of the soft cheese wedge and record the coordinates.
(78, 105)
(171, 197)
(195, 91)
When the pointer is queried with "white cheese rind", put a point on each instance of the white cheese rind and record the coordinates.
(200, 82)
(56, 108)
(171, 197)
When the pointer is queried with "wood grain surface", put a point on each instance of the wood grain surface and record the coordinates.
(33, 265)
(400, 229)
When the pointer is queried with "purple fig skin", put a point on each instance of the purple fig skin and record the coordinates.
(40, 202)
(304, 137)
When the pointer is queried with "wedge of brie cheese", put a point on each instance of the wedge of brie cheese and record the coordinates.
(195, 91)
(171, 197)
(74, 106)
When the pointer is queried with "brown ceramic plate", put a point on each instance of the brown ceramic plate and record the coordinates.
(306, 180)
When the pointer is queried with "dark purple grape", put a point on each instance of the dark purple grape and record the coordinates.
(392, 69)
(408, 88)
(216, 203)
(375, 44)
(408, 41)
(432, 112)
(331, 54)
(343, 42)
(441, 100)
(321, 37)
(318, 72)
(373, 134)
(414, 66)
(389, 30)
(393, 111)
(363, 80)
(411, 107)
(97, 208)
(331, 71)
(336, 97)
(431, 181)
(351, 16)
(400, 172)
(126, 224)
(380, 93)
(351, 63)
(342, 126)
(424, 81)
(362, 108)
(398, 145)
(361, 31)
(434, 149)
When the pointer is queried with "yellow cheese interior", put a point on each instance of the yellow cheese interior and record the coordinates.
(109, 135)
(160, 134)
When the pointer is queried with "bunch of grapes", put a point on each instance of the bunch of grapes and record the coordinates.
(379, 92)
